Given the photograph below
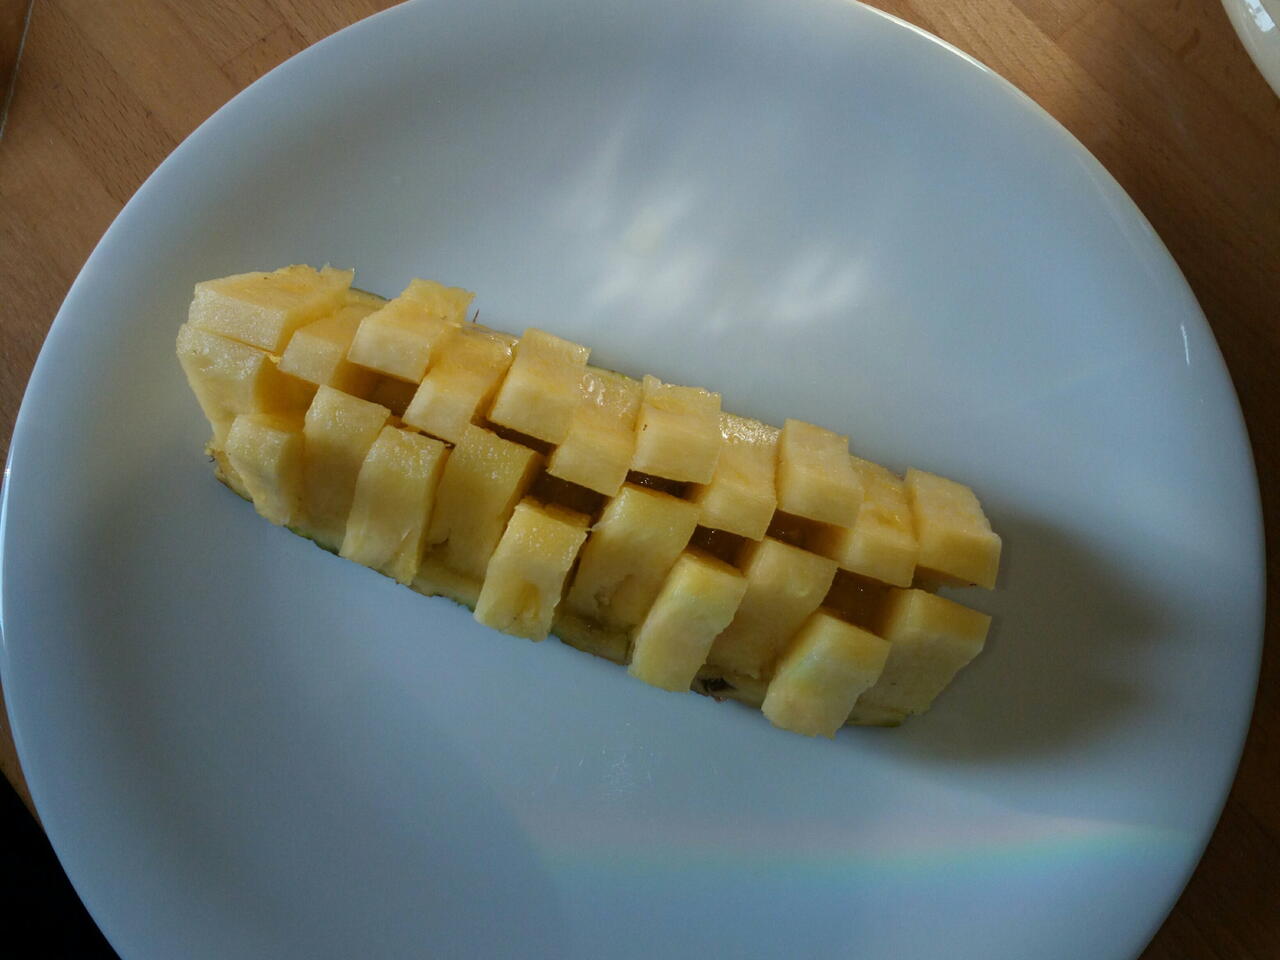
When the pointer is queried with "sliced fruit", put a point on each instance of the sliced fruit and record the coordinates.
(265, 450)
(230, 378)
(543, 387)
(264, 309)
(485, 478)
(628, 556)
(881, 544)
(956, 539)
(597, 449)
(526, 574)
(399, 338)
(677, 432)
(741, 497)
(931, 639)
(728, 557)
(447, 303)
(338, 431)
(829, 664)
(317, 352)
(816, 479)
(393, 497)
(784, 585)
(697, 601)
(459, 387)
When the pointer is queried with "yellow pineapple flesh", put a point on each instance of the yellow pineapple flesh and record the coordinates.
(394, 493)
(338, 431)
(317, 352)
(266, 451)
(628, 555)
(230, 378)
(784, 585)
(526, 574)
(816, 479)
(448, 303)
(741, 497)
(542, 388)
(459, 387)
(264, 309)
(677, 432)
(598, 446)
(696, 603)
(956, 540)
(930, 639)
(484, 479)
(828, 666)
(635, 520)
(399, 338)
(881, 544)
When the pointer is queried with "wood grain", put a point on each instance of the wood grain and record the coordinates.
(1159, 90)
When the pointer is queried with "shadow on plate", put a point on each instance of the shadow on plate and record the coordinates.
(1058, 670)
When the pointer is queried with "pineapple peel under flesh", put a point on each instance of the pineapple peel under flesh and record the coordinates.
(632, 518)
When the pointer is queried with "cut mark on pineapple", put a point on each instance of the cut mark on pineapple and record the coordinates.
(857, 600)
(673, 487)
(515, 436)
(791, 529)
(564, 493)
(719, 543)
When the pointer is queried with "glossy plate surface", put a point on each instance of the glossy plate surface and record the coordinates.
(244, 747)
(1258, 24)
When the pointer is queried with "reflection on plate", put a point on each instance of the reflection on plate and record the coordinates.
(242, 746)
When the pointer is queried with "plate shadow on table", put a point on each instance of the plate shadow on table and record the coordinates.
(1056, 674)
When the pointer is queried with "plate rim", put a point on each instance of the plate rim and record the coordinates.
(62, 327)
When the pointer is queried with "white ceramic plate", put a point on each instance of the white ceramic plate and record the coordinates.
(1258, 24)
(243, 747)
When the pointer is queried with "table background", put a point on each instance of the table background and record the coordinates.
(1159, 90)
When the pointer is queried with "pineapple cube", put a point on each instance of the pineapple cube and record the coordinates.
(317, 352)
(882, 542)
(784, 585)
(447, 303)
(697, 601)
(264, 309)
(485, 478)
(460, 385)
(741, 497)
(930, 639)
(956, 540)
(677, 432)
(265, 449)
(632, 548)
(399, 339)
(338, 431)
(596, 452)
(829, 664)
(816, 479)
(526, 574)
(543, 387)
(394, 492)
(230, 378)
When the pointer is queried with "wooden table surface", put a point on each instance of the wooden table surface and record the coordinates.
(1159, 90)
